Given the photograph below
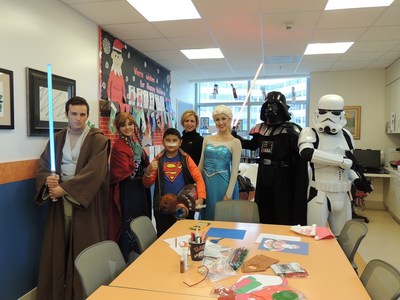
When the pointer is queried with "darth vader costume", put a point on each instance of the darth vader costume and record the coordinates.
(281, 188)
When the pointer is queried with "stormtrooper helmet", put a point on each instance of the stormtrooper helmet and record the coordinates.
(329, 116)
(274, 110)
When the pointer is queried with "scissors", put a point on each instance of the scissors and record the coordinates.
(183, 244)
(215, 241)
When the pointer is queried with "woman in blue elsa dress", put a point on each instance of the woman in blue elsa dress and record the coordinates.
(219, 162)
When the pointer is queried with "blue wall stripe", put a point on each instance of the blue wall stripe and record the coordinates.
(21, 232)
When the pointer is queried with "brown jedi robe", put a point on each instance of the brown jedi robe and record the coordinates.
(89, 187)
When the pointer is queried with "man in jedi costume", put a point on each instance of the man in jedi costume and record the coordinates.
(77, 199)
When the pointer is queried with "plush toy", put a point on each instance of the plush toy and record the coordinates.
(168, 203)
(180, 204)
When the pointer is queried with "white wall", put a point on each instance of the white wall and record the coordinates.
(34, 34)
(393, 72)
(183, 92)
(364, 88)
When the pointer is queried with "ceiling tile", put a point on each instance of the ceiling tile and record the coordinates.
(131, 31)
(254, 31)
(109, 12)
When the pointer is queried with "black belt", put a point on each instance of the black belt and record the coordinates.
(280, 163)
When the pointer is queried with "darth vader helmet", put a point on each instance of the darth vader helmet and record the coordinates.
(275, 110)
(329, 116)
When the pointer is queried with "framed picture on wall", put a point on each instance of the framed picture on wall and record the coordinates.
(353, 117)
(204, 122)
(38, 105)
(6, 99)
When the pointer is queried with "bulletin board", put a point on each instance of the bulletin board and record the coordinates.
(141, 74)
(132, 82)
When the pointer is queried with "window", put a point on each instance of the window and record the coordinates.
(233, 94)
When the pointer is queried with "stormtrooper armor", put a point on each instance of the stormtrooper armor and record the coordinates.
(329, 117)
(325, 146)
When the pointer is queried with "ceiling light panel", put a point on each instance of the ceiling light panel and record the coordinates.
(327, 48)
(203, 53)
(165, 10)
(346, 4)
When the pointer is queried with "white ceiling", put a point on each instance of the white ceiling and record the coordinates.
(249, 32)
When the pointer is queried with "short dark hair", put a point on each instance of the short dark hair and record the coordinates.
(76, 101)
(172, 131)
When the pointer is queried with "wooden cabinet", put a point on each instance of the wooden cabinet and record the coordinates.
(392, 107)
(393, 198)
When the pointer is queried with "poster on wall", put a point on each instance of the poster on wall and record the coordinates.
(6, 99)
(353, 118)
(123, 67)
(132, 82)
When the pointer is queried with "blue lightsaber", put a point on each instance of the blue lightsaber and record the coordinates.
(51, 125)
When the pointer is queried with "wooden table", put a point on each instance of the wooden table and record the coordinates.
(110, 292)
(331, 276)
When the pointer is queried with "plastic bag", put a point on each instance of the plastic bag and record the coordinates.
(219, 268)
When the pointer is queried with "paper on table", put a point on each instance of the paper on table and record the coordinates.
(214, 250)
(286, 246)
(323, 233)
(226, 233)
(276, 237)
(265, 280)
(179, 240)
(318, 232)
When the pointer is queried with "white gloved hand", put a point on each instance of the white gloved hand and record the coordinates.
(346, 164)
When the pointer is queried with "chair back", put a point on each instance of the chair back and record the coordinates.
(99, 264)
(144, 232)
(350, 238)
(381, 280)
(237, 211)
